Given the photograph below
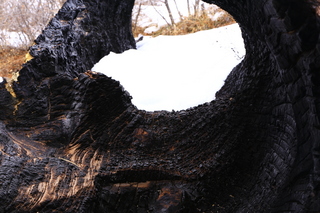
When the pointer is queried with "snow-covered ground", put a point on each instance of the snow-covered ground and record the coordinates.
(14, 39)
(176, 72)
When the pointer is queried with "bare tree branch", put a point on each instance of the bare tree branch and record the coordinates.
(159, 12)
(27, 16)
(136, 18)
(181, 17)
(169, 11)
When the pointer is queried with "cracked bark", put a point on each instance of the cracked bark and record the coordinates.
(71, 141)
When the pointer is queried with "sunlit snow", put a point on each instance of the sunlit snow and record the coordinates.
(14, 39)
(176, 72)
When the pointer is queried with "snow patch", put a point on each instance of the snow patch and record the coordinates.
(216, 16)
(176, 72)
(14, 39)
(151, 29)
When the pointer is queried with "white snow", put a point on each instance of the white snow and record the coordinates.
(14, 39)
(176, 72)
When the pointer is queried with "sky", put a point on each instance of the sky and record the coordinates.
(176, 72)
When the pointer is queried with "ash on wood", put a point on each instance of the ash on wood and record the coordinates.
(71, 140)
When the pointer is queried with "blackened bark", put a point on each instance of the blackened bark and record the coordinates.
(71, 141)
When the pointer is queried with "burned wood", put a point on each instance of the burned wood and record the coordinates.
(71, 140)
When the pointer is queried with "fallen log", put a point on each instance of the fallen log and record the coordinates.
(71, 140)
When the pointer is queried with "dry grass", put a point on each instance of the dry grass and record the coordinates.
(11, 60)
(191, 24)
(137, 30)
(194, 24)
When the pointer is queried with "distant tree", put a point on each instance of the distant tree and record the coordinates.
(27, 17)
(169, 11)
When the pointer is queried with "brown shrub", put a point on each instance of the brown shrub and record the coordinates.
(191, 24)
(11, 60)
(194, 24)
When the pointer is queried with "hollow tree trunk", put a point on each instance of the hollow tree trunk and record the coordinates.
(71, 141)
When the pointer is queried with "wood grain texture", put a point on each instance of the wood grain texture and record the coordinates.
(71, 140)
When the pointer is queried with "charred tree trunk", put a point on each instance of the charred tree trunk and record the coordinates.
(71, 141)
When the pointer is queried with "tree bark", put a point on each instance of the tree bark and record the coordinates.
(71, 140)
(169, 12)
